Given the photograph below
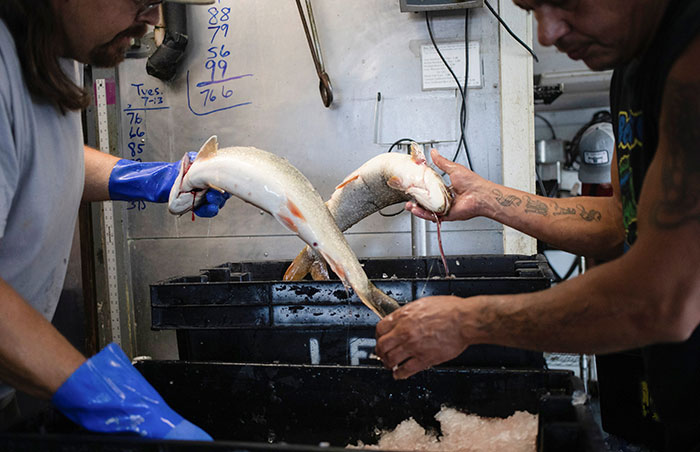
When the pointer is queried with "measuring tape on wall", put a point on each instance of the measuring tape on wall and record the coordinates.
(108, 217)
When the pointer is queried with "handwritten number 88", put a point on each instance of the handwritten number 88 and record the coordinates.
(214, 15)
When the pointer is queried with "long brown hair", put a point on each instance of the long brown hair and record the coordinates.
(33, 26)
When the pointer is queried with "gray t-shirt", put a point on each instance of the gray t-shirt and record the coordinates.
(42, 173)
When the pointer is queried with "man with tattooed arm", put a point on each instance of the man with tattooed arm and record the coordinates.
(648, 294)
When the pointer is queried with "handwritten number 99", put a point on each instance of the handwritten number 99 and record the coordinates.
(212, 65)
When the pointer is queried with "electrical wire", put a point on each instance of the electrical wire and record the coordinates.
(549, 124)
(462, 91)
(505, 25)
(398, 142)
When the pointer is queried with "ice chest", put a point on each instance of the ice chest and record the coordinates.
(244, 312)
(247, 406)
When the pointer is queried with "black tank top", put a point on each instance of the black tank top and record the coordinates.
(673, 370)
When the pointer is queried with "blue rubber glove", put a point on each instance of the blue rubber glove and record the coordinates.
(107, 394)
(151, 181)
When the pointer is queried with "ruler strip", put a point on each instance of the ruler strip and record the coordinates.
(108, 217)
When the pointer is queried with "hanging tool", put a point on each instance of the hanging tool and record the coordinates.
(324, 84)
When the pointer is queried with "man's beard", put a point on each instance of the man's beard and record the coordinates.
(112, 53)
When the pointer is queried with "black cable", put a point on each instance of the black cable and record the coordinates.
(398, 142)
(549, 124)
(459, 86)
(493, 11)
(463, 107)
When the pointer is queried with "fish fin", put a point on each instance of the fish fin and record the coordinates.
(347, 181)
(417, 154)
(395, 183)
(287, 222)
(319, 270)
(337, 269)
(300, 266)
(208, 149)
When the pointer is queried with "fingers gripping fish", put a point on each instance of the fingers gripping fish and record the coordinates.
(271, 183)
(380, 182)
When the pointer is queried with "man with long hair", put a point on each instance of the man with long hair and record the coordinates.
(45, 171)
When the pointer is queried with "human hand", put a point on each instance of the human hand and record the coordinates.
(151, 181)
(421, 334)
(107, 394)
(467, 187)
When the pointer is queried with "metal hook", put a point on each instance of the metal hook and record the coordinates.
(324, 84)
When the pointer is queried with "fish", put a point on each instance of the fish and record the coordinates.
(272, 184)
(382, 181)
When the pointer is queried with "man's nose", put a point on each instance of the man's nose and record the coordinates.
(550, 25)
(151, 17)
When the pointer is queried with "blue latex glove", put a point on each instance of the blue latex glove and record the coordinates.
(107, 394)
(151, 181)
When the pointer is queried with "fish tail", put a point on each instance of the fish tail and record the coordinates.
(319, 270)
(381, 303)
(300, 266)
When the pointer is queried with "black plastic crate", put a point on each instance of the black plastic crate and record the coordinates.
(244, 312)
(298, 407)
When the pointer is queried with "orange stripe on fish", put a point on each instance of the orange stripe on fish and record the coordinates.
(289, 223)
(295, 210)
(335, 267)
(347, 181)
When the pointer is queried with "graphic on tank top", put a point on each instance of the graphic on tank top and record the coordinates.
(630, 140)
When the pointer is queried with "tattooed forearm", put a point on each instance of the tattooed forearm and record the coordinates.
(588, 215)
(536, 206)
(506, 201)
(563, 210)
(680, 172)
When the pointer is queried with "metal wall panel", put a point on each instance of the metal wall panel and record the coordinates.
(368, 47)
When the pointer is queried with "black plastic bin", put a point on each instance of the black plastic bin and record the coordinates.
(298, 407)
(244, 312)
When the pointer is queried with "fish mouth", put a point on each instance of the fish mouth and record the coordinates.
(447, 198)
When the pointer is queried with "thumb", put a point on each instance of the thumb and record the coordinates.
(441, 162)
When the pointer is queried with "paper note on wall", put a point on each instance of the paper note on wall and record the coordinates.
(436, 75)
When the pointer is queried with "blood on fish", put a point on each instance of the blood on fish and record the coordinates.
(289, 223)
(347, 181)
(295, 210)
(194, 198)
(442, 252)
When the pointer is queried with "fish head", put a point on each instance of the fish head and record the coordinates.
(423, 184)
(183, 196)
(431, 193)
